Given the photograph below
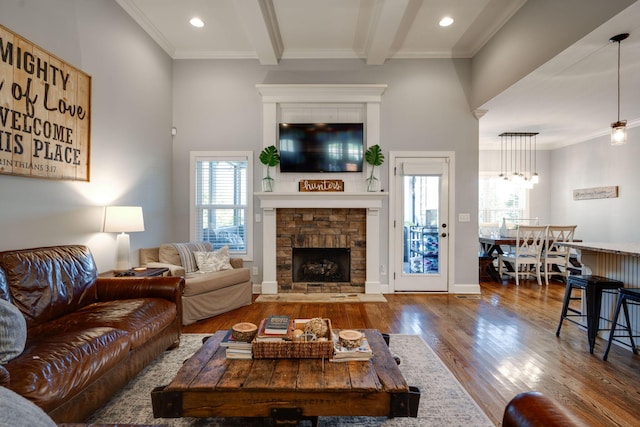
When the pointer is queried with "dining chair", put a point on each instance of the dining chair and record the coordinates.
(525, 260)
(555, 254)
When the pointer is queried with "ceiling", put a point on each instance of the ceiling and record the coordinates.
(570, 99)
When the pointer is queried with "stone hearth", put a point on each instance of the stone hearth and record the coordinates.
(321, 228)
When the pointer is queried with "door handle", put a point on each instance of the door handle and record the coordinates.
(444, 235)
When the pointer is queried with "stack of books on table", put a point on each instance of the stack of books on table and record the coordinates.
(344, 354)
(275, 328)
(236, 349)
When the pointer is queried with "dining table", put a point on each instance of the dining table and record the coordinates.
(492, 246)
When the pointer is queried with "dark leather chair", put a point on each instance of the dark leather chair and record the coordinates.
(532, 409)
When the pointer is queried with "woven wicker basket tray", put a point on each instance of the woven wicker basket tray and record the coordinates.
(294, 349)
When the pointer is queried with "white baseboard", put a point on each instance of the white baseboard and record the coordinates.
(455, 289)
(269, 287)
(465, 289)
(372, 287)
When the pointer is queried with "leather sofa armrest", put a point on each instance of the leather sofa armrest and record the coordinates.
(174, 270)
(113, 288)
(170, 288)
(5, 377)
(531, 409)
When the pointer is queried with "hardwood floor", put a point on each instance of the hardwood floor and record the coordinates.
(497, 344)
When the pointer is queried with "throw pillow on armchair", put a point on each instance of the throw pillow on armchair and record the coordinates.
(213, 261)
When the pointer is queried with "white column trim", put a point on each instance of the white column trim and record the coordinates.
(269, 281)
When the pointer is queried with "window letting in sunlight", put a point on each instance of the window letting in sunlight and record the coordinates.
(499, 198)
(221, 200)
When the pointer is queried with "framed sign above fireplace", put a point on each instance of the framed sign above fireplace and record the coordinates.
(321, 185)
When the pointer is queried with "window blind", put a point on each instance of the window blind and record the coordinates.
(221, 202)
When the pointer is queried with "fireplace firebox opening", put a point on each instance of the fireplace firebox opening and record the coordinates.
(325, 265)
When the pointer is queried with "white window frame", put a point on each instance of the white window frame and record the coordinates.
(223, 156)
(527, 194)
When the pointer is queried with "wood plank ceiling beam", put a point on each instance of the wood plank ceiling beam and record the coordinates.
(390, 22)
(259, 19)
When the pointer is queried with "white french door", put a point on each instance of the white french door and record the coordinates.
(421, 232)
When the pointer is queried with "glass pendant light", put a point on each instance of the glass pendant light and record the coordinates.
(619, 127)
(518, 158)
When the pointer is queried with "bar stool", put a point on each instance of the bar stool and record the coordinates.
(624, 296)
(593, 286)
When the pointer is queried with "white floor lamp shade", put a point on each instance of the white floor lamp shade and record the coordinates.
(123, 219)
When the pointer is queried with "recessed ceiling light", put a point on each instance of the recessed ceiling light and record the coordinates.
(446, 21)
(196, 22)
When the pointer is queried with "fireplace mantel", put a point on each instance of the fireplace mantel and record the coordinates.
(368, 200)
(270, 202)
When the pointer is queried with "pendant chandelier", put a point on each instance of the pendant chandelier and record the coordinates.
(619, 127)
(518, 158)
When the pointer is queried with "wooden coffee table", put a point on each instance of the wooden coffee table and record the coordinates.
(287, 390)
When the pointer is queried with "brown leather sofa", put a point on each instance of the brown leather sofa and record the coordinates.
(87, 336)
(533, 409)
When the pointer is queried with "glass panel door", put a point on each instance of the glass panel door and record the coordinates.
(421, 196)
(423, 185)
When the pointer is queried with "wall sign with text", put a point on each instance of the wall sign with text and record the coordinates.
(45, 113)
(595, 193)
(321, 185)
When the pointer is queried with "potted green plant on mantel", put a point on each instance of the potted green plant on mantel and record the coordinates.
(270, 158)
(374, 157)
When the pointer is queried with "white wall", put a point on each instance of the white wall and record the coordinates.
(217, 107)
(591, 164)
(130, 131)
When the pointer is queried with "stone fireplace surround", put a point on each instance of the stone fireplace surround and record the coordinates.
(323, 229)
(371, 203)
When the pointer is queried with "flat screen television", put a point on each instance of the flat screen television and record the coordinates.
(321, 147)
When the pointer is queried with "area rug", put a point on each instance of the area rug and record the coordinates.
(443, 400)
(321, 297)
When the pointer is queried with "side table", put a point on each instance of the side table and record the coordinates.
(147, 272)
